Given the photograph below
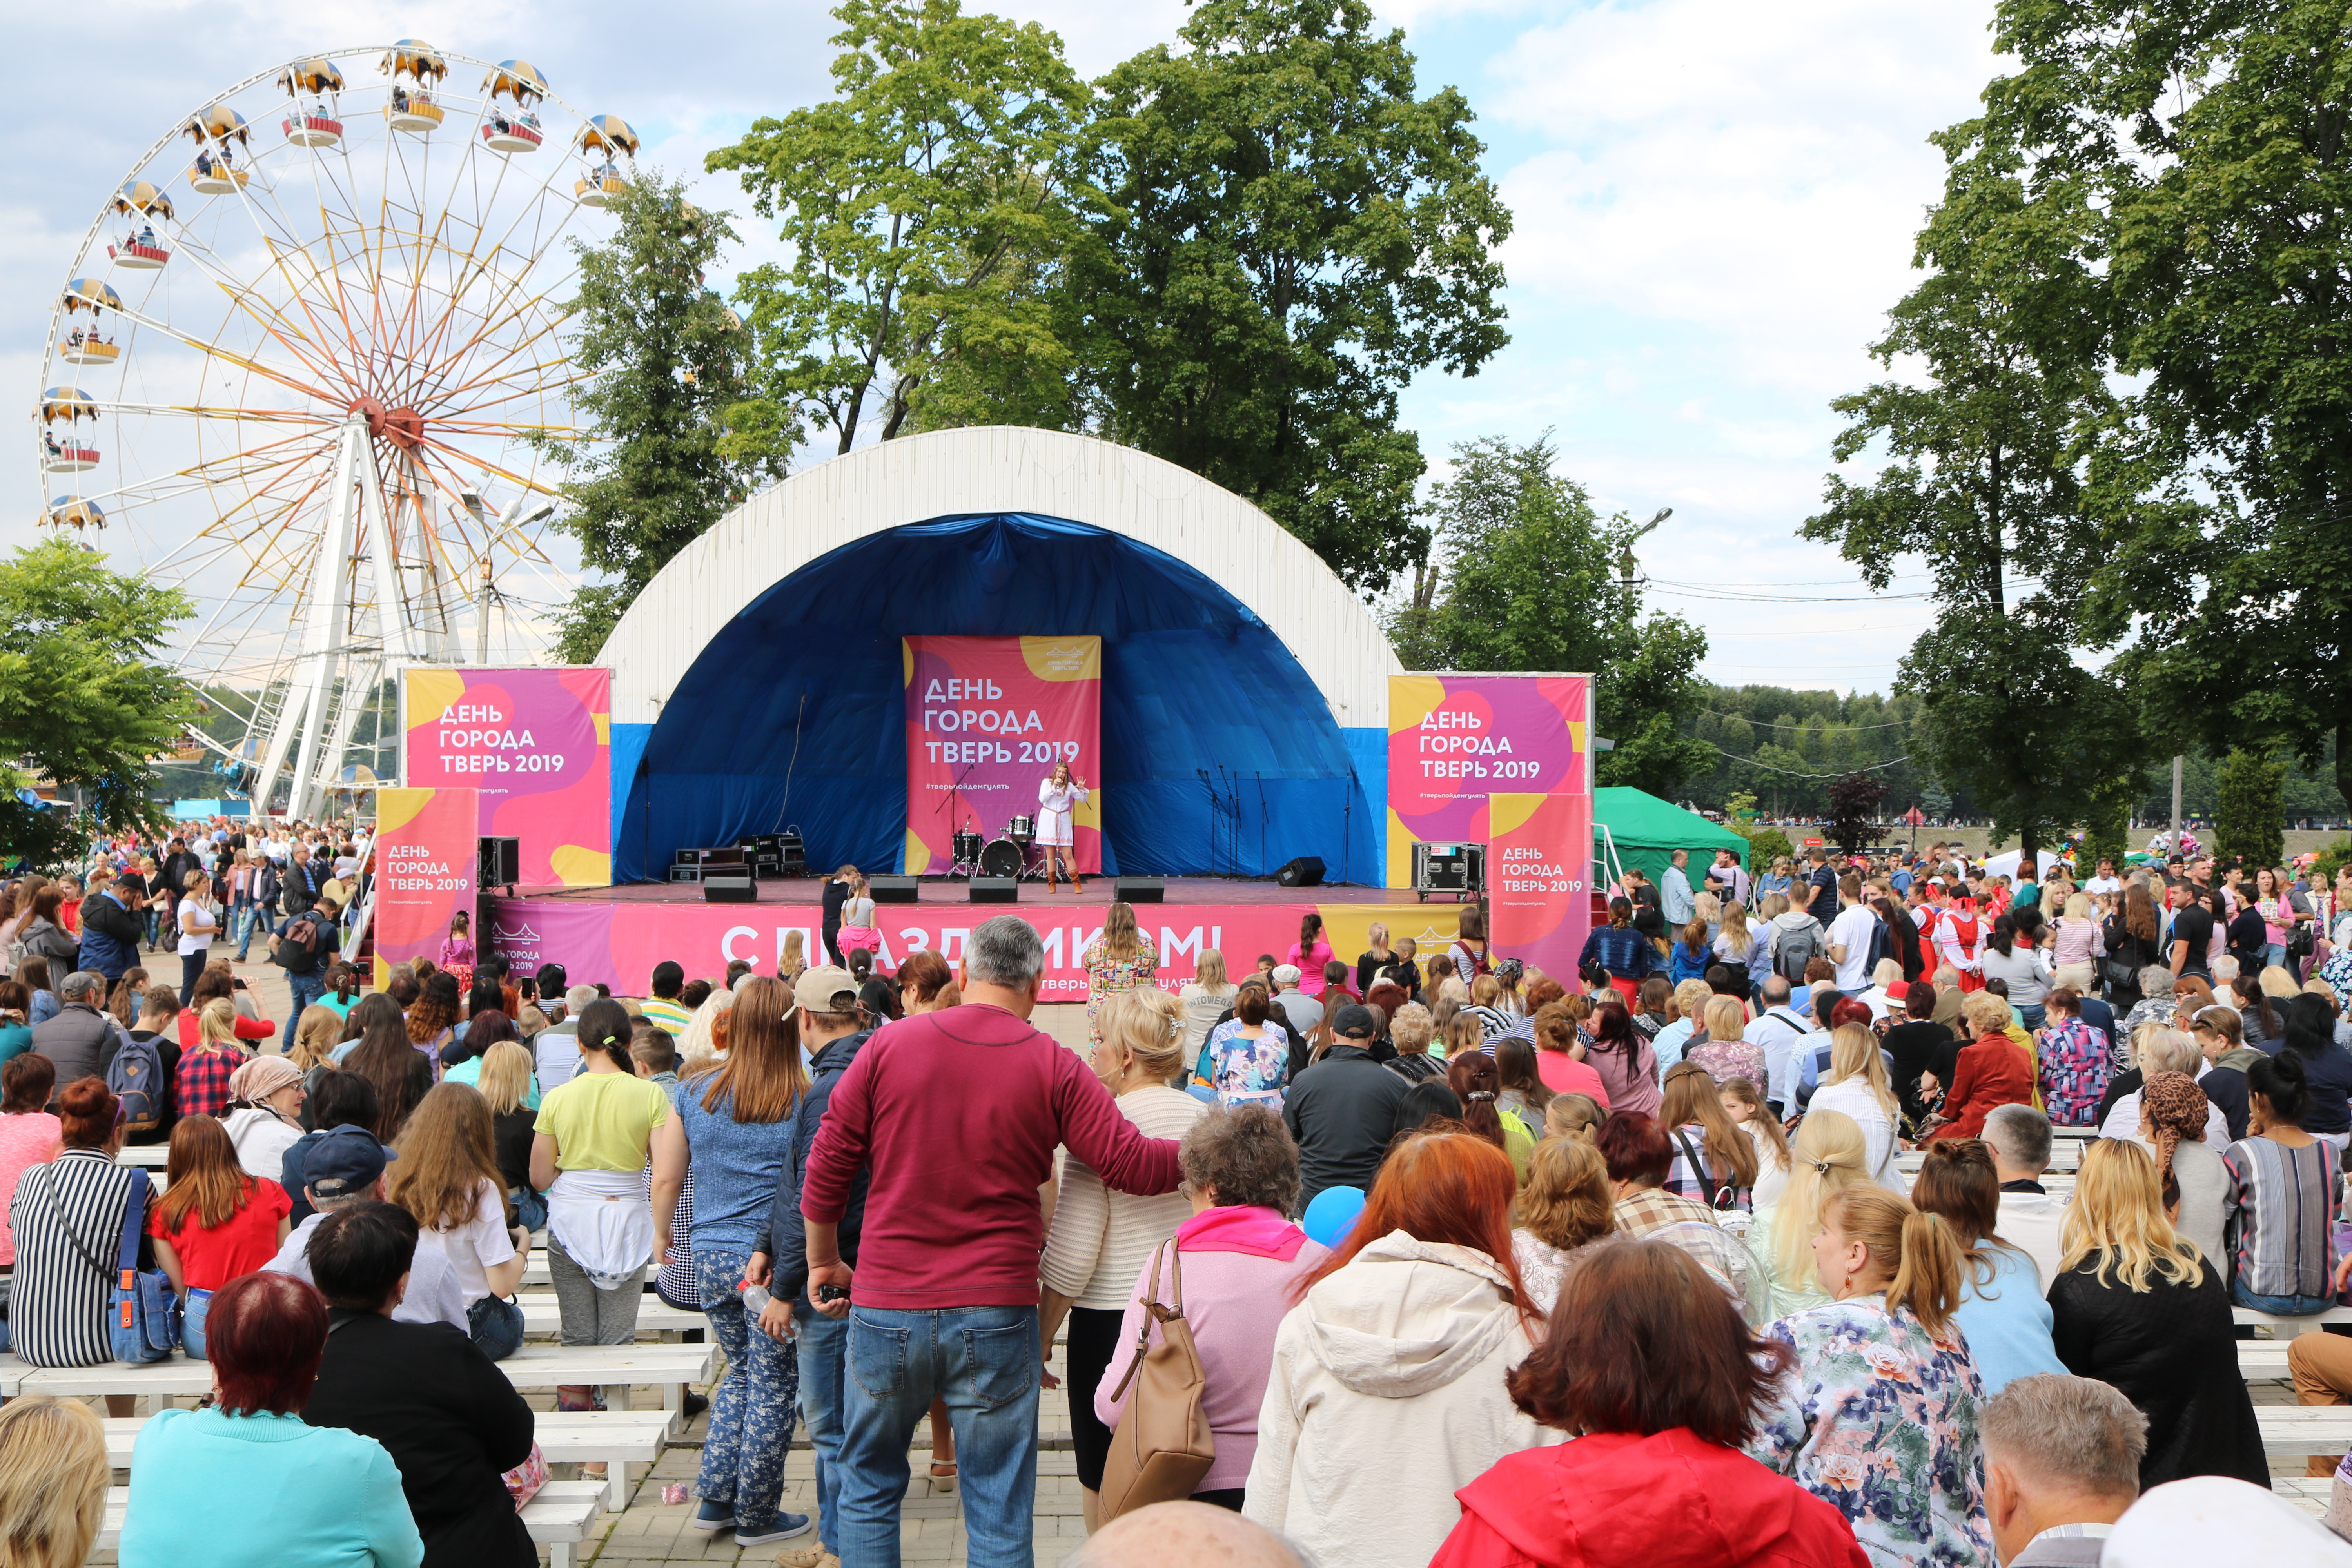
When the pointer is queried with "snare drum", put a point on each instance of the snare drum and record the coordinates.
(967, 848)
(1023, 828)
(1003, 858)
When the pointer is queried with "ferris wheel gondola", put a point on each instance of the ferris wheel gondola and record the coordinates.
(334, 417)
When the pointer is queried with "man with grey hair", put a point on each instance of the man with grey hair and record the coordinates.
(1185, 1535)
(2018, 1137)
(953, 1117)
(2156, 1005)
(2061, 1459)
(76, 1040)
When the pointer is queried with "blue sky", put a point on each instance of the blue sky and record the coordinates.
(1714, 205)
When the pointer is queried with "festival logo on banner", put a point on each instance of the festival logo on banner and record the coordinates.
(1453, 740)
(617, 944)
(537, 745)
(987, 718)
(425, 857)
(1539, 880)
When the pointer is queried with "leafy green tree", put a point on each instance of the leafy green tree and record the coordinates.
(2209, 137)
(1294, 234)
(1521, 575)
(931, 215)
(664, 358)
(2248, 821)
(86, 698)
(1983, 478)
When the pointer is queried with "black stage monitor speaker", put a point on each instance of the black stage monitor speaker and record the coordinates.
(1306, 871)
(730, 886)
(501, 863)
(995, 890)
(891, 890)
(1139, 889)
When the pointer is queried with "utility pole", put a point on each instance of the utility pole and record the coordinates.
(2176, 801)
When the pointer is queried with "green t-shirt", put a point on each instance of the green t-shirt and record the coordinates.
(670, 1015)
(603, 1120)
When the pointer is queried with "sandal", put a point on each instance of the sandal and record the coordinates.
(943, 1475)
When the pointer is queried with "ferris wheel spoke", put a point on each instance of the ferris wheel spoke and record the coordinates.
(545, 325)
(243, 362)
(243, 295)
(538, 199)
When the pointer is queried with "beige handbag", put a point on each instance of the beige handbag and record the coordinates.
(1162, 1445)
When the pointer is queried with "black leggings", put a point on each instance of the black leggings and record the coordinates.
(1091, 1337)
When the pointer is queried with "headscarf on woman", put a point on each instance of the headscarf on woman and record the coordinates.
(2175, 1106)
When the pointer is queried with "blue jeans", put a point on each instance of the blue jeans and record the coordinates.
(823, 1352)
(192, 1323)
(2280, 1306)
(2033, 1014)
(307, 990)
(2275, 955)
(984, 1362)
(245, 920)
(495, 1326)
(751, 1410)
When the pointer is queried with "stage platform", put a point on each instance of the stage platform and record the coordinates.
(616, 935)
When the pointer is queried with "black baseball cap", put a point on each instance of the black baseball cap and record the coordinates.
(344, 1159)
(1355, 1022)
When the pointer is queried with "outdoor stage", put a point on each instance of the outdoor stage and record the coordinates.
(616, 935)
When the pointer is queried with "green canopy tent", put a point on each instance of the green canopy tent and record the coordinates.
(1646, 831)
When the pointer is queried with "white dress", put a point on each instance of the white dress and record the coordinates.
(1057, 808)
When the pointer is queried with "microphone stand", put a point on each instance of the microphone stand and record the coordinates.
(1260, 777)
(1232, 812)
(955, 801)
(1217, 808)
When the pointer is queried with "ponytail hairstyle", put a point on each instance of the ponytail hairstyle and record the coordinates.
(604, 1027)
(1960, 1184)
(1915, 1249)
(1828, 1159)
(1310, 927)
(2004, 935)
(2285, 1086)
(1472, 1076)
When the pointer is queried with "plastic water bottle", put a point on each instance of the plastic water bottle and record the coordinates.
(755, 1297)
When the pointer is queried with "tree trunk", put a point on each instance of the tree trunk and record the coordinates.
(2343, 758)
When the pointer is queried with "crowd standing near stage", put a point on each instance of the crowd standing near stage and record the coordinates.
(1740, 1244)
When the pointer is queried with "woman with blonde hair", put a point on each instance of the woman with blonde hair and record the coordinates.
(1208, 998)
(1878, 1417)
(857, 929)
(316, 1035)
(1572, 1115)
(794, 957)
(2135, 1307)
(1714, 1163)
(53, 1479)
(1726, 1053)
(447, 1177)
(1856, 1084)
(1100, 1240)
(1990, 1072)
(205, 1070)
(1826, 1160)
(1735, 947)
(1743, 1102)
(1119, 959)
(2079, 945)
(1689, 998)
(505, 1087)
(1566, 1201)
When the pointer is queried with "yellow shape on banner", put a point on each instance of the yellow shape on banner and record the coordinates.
(396, 809)
(1505, 811)
(1412, 698)
(906, 662)
(578, 865)
(430, 692)
(919, 855)
(1063, 659)
(1399, 852)
(604, 729)
(1576, 734)
(1090, 811)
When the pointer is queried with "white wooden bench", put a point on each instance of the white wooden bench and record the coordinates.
(2310, 1493)
(541, 1316)
(559, 1518)
(2263, 1360)
(2293, 1326)
(2307, 1429)
(148, 1156)
(613, 1438)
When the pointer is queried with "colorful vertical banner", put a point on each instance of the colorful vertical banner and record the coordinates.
(1539, 878)
(987, 719)
(426, 852)
(1454, 740)
(538, 746)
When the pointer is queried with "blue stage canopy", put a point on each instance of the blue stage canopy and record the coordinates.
(794, 713)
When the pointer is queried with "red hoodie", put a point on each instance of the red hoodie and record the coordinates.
(1616, 1500)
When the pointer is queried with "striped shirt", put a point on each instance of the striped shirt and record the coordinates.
(2281, 1204)
(1100, 1240)
(670, 1015)
(58, 1304)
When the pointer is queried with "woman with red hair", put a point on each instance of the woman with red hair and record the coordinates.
(1649, 1366)
(1387, 1390)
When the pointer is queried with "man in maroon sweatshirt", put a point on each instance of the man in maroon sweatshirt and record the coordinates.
(955, 1115)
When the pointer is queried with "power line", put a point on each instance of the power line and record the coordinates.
(1760, 724)
(1791, 772)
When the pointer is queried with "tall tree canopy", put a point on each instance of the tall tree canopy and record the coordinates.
(1294, 234)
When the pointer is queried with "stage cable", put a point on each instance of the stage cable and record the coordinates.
(785, 810)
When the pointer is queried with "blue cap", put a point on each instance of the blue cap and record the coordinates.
(344, 1159)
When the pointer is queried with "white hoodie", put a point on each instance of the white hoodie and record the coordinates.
(1387, 1395)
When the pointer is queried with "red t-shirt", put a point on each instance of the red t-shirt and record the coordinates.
(1563, 1074)
(240, 1244)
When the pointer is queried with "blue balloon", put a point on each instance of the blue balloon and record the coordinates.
(1332, 1215)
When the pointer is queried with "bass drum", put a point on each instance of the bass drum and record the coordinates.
(1003, 858)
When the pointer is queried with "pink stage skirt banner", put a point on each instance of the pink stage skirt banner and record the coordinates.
(987, 719)
(1539, 880)
(537, 744)
(617, 942)
(425, 857)
(1454, 740)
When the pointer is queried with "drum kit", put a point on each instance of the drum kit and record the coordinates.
(1013, 853)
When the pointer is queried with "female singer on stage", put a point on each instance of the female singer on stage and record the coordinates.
(1057, 810)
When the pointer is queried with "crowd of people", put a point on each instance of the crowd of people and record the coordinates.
(1685, 1258)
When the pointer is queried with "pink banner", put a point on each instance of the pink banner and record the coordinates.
(987, 719)
(426, 859)
(617, 944)
(1453, 740)
(1538, 880)
(537, 745)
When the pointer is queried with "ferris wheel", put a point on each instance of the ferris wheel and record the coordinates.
(307, 368)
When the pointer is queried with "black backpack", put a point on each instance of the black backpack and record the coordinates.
(296, 948)
(1794, 950)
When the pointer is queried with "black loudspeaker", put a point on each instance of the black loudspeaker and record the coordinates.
(500, 862)
(891, 890)
(730, 886)
(995, 890)
(1306, 871)
(1139, 889)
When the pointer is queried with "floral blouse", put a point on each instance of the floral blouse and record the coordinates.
(2073, 1058)
(1107, 976)
(1246, 1071)
(1879, 1419)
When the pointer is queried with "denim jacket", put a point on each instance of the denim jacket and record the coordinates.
(786, 1242)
